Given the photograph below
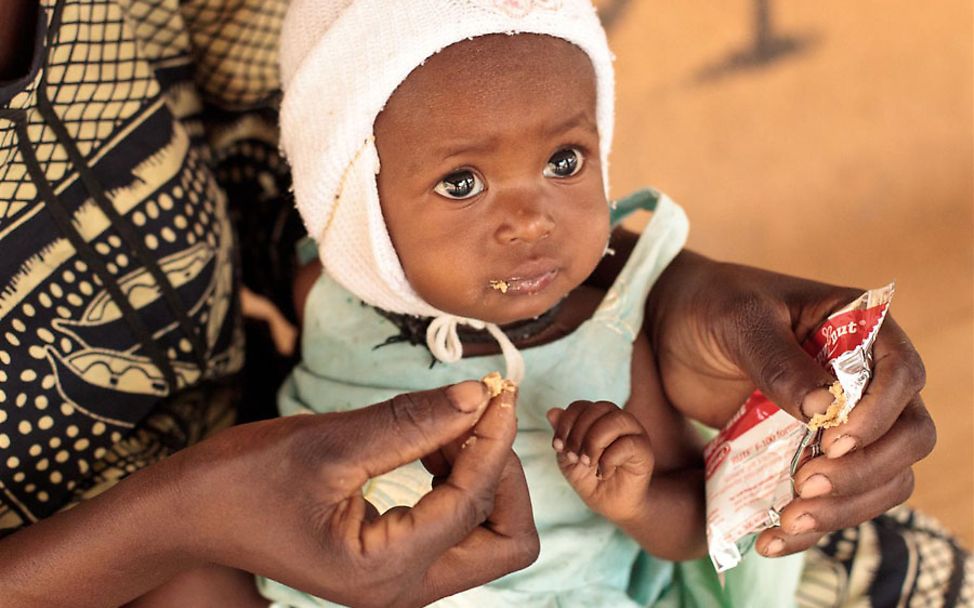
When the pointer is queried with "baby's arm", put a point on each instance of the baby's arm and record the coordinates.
(641, 467)
(210, 585)
(674, 515)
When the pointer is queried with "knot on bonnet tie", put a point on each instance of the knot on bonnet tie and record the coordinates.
(444, 343)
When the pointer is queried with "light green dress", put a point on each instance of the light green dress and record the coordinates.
(585, 560)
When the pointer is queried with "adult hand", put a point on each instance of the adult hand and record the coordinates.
(318, 534)
(282, 498)
(720, 330)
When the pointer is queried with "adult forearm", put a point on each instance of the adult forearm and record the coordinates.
(672, 524)
(103, 552)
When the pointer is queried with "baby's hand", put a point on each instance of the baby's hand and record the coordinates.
(605, 455)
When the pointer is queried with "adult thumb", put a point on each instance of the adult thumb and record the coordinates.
(412, 425)
(783, 371)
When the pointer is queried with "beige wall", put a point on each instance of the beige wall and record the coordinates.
(847, 159)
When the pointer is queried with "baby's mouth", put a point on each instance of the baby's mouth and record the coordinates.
(524, 285)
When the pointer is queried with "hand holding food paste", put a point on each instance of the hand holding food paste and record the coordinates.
(750, 463)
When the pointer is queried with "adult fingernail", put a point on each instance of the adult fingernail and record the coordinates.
(467, 397)
(841, 446)
(805, 523)
(815, 486)
(552, 416)
(572, 457)
(775, 547)
(816, 402)
(558, 444)
(586, 460)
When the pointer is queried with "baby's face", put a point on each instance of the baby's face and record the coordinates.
(490, 176)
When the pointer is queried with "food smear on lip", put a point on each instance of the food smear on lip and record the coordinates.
(524, 285)
(500, 286)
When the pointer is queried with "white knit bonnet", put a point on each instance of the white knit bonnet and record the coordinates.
(341, 60)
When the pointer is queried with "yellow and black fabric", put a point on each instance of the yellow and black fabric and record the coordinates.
(902, 558)
(143, 128)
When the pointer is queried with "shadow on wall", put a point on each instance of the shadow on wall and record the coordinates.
(767, 45)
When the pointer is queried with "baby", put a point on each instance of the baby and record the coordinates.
(450, 160)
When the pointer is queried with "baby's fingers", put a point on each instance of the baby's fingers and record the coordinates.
(632, 453)
(606, 429)
(591, 415)
(563, 421)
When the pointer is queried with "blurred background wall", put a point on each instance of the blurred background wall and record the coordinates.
(830, 140)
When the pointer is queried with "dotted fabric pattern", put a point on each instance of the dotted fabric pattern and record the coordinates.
(111, 131)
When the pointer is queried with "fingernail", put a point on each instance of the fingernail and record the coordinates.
(775, 547)
(558, 444)
(805, 523)
(816, 402)
(572, 457)
(550, 415)
(586, 460)
(467, 397)
(841, 446)
(815, 486)
(506, 400)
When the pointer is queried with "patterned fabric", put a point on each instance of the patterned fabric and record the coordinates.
(902, 558)
(119, 320)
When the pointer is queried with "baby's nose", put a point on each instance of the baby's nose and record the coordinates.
(526, 220)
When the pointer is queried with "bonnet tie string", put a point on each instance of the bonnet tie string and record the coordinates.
(444, 343)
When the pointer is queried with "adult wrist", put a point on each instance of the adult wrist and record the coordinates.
(192, 481)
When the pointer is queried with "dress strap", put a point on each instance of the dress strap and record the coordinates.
(640, 200)
(663, 238)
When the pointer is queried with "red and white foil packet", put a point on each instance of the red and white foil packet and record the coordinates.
(749, 463)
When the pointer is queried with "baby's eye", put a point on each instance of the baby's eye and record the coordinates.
(460, 185)
(564, 163)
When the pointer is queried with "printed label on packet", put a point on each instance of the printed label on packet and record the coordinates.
(748, 464)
